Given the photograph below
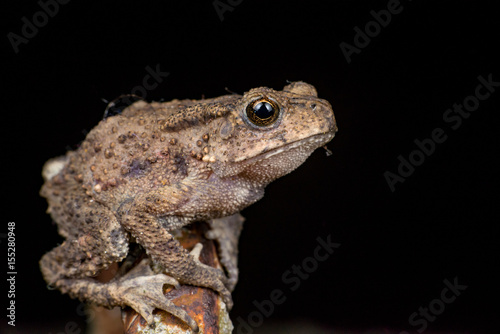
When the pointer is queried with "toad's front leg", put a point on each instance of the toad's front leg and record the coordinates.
(226, 231)
(163, 249)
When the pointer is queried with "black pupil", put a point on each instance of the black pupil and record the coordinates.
(263, 110)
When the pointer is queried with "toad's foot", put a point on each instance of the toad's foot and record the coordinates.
(145, 293)
(140, 289)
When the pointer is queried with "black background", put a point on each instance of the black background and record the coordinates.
(396, 247)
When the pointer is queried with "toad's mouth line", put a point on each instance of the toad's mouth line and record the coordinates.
(314, 140)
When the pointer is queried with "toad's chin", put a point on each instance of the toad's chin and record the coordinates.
(308, 144)
(274, 163)
(269, 166)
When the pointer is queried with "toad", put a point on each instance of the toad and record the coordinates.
(155, 167)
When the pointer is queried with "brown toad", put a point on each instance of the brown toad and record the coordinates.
(142, 174)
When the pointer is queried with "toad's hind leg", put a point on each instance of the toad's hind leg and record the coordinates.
(94, 239)
(93, 242)
(140, 289)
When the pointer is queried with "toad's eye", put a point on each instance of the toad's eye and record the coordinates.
(263, 112)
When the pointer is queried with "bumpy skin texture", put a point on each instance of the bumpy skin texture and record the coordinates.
(156, 167)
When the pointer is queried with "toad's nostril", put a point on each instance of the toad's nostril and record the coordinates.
(313, 106)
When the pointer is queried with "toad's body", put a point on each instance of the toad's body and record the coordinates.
(157, 167)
